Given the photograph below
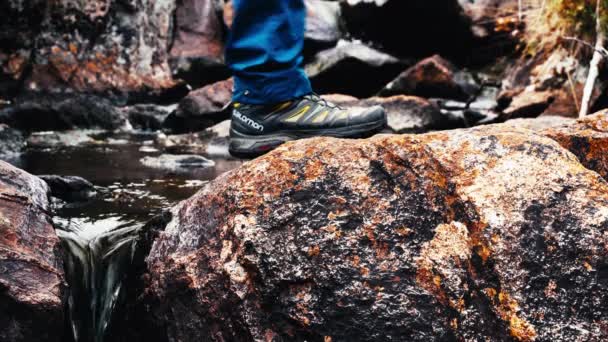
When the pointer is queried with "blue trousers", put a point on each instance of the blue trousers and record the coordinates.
(264, 51)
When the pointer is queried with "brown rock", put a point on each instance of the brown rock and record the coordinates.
(197, 51)
(32, 283)
(493, 233)
(207, 100)
(587, 138)
(202, 108)
(199, 30)
(528, 104)
(99, 46)
(431, 77)
(550, 83)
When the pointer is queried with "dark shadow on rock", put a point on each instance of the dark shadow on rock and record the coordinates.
(352, 68)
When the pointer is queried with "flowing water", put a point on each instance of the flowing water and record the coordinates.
(100, 234)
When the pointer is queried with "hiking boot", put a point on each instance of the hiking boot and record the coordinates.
(257, 129)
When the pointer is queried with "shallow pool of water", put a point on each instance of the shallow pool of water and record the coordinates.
(100, 234)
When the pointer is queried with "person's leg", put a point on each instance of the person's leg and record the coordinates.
(273, 100)
(264, 51)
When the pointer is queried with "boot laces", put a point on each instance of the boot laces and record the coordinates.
(318, 99)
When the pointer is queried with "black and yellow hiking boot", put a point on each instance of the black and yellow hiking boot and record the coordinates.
(257, 129)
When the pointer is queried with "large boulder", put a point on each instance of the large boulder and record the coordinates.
(32, 282)
(493, 233)
(86, 46)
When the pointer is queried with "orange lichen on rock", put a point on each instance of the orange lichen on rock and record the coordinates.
(587, 138)
(448, 250)
(450, 235)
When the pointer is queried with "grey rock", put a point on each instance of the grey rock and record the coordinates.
(352, 68)
(405, 114)
(12, 143)
(69, 188)
(323, 22)
(147, 116)
(61, 112)
(177, 162)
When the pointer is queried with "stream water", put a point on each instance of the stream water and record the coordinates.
(99, 234)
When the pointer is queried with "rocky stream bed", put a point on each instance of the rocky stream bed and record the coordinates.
(479, 214)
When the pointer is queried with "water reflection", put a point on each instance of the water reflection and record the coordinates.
(100, 235)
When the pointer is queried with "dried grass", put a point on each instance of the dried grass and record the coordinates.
(548, 22)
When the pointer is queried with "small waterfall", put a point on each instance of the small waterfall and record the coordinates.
(96, 261)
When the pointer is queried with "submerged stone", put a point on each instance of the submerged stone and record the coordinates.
(69, 188)
(177, 162)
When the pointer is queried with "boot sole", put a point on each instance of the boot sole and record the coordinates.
(251, 146)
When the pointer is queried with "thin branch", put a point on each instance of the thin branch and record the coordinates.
(595, 61)
(599, 49)
(519, 10)
(573, 91)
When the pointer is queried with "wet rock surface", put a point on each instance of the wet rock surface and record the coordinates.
(32, 283)
(58, 112)
(147, 116)
(212, 142)
(177, 162)
(69, 188)
(496, 233)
